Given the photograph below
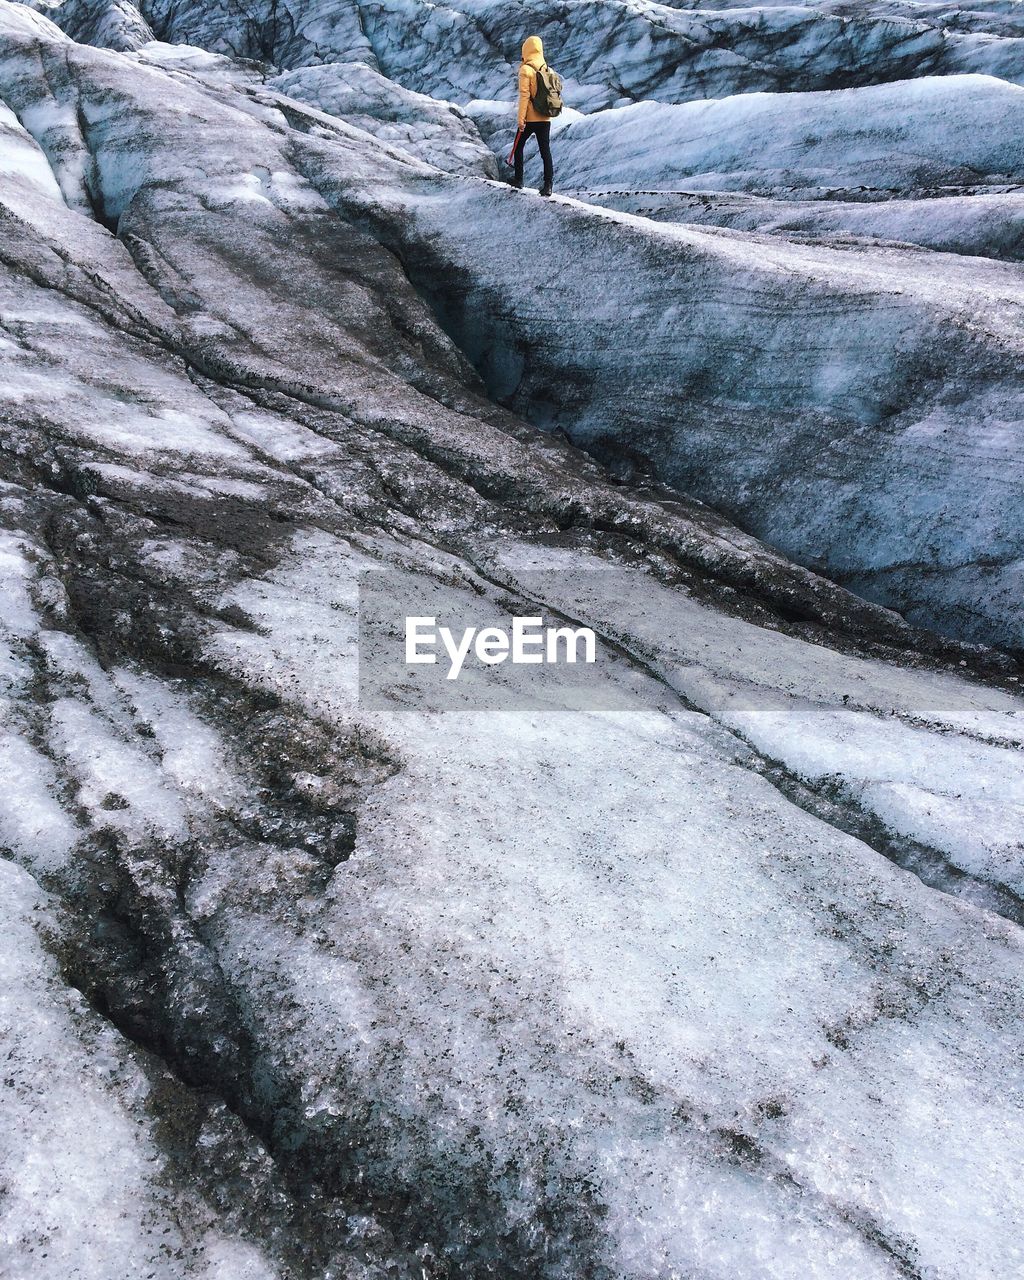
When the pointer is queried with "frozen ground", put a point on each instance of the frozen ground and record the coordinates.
(718, 976)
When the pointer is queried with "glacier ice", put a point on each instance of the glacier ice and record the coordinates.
(724, 982)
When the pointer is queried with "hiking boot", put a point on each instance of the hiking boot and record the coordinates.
(546, 189)
(516, 184)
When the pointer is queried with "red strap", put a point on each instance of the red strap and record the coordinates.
(512, 153)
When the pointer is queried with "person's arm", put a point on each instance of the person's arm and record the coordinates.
(525, 92)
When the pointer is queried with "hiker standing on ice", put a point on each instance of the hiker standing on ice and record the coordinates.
(540, 100)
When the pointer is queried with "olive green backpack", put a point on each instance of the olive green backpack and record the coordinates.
(547, 97)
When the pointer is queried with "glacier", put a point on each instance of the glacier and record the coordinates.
(720, 977)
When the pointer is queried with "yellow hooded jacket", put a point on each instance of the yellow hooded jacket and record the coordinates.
(533, 57)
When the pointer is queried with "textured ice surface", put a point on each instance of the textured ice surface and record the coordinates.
(432, 131)
(725, 983)
(609, 52)
(984, 224)
(938, 131)
(85, 1175)
(843, 401)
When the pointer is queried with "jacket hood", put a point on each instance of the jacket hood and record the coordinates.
(533, 49)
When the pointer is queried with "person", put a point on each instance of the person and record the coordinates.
(531, 122)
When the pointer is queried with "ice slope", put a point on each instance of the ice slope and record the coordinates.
(937, 131)
(610, 51)
(109, 24)
(949, 563)
(530, 992)
(85, 1159)
(933, 162)
(985, 224)
(856, 405)
(436, 132)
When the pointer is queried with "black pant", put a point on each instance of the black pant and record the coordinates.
(541, 130)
